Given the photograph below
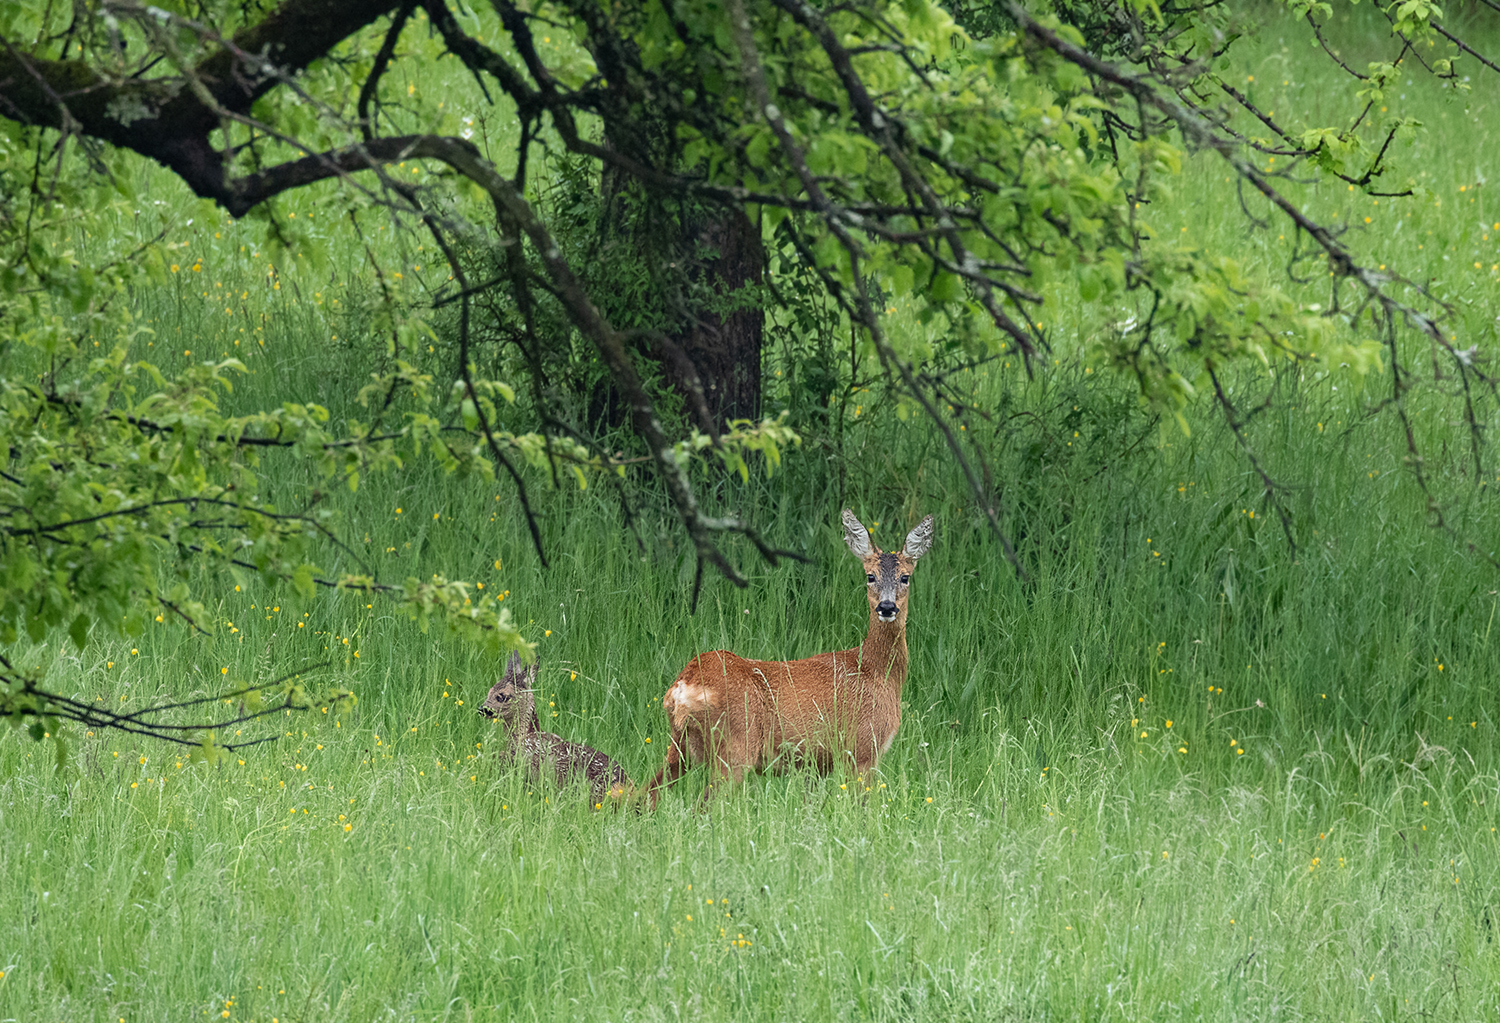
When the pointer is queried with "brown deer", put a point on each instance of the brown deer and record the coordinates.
(513, 701)
(837, 707)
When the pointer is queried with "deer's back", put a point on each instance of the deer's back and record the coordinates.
(795, 700)
(570, 762)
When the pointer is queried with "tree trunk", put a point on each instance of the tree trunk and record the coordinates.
(723, 348)
(726, 349)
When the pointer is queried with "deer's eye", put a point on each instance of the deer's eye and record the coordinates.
(871, 577)
(905, 579)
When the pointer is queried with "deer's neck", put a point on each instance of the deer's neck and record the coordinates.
(882, 656)
(522, 725)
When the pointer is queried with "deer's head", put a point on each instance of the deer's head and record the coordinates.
(512, 699)
(887, 572)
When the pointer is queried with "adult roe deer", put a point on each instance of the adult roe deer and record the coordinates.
(513, 701)
(837, 706)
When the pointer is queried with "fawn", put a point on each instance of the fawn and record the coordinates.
(836, 707)
(513, 700)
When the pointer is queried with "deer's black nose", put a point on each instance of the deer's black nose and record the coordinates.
(886, 609)
(486, 712)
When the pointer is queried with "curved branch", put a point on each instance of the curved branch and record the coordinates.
(167, 118)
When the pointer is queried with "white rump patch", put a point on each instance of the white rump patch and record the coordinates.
(689, 699)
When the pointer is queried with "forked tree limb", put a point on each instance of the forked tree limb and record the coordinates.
(1388, 309)
(1201, 133)
(889, 132)
(171, 120)
(369, 90)
(22, 697)
(862, 310)
(464, 158)
(466, 374)
(167, 118)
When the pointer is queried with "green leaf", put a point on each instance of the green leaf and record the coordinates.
(302, 582)
(78, 632)
(945, 287)
(1089, 284)
(901, 278)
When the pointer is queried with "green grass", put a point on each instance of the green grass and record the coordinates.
(1036, 845)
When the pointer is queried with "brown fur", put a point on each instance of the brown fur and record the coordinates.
(842, 707)
(512, 700)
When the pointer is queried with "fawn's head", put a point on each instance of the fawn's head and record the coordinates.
(512, 699)
(888, 573)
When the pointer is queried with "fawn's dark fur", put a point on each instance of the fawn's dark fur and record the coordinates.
(513, 701)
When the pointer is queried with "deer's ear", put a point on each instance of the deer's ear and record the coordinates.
(919, 540)
(529, 679)
(855, 535)
(512, 667)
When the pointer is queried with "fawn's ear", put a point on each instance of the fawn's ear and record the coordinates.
(919, 540)
(512, 668)
(855, 535)
(528, 680)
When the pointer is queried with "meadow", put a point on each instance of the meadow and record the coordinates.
(1182, 770)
